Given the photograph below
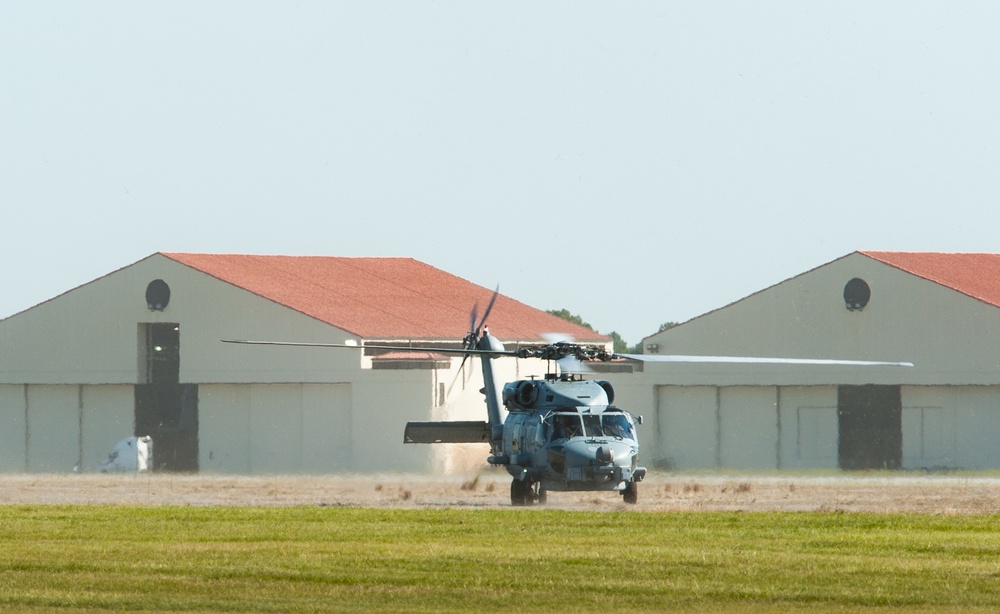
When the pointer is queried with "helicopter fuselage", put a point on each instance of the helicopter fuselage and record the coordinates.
(562, 433)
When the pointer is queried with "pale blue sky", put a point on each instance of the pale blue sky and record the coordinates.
(633, 162)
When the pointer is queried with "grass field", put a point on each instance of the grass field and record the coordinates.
(307, 559)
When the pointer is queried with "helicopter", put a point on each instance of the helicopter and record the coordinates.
(562, 432)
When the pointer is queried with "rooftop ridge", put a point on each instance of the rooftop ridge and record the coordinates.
(379, 298)
(975, 274)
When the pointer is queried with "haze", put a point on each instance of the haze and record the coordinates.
(635, 163)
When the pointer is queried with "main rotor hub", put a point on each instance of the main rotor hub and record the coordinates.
(560, 350)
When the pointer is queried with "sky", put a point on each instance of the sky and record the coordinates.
(632, 162)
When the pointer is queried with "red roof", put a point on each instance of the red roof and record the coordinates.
(976, 275)
(380, 298)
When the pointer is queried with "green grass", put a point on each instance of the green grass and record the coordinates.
(343, 559)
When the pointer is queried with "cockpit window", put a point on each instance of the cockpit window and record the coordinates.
(609, 424)
(617, 425)
(593, 426)
(565, 426)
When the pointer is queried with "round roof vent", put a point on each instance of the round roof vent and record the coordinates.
(857, 293)
(157, 295)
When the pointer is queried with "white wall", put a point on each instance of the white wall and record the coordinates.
(13, 434)
(978, 414)
(809, 427)
(53, 428)
(275, 428)
(687, 433)
(699, 427)
(108, 417)
(323, 428)
(50, 428)
(929, 428)
(954, 427)
(224, 428)
(327, 427)
(384, 402)
(703, 427)
(748, 427)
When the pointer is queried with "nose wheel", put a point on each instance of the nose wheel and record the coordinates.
(527, 493)
(631, 492)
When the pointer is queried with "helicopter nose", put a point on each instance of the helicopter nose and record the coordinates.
(605, 462)
(601, 455)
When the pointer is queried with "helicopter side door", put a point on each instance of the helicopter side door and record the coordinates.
(519, 434)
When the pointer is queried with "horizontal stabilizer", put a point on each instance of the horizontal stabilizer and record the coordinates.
(446, 432)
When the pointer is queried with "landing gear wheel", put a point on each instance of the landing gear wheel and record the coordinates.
(631, 493)
(542, 497)
(520, 493)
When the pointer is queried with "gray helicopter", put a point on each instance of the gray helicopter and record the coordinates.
(562, 432)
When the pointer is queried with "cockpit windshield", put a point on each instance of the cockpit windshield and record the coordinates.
(565, 426)
(608, 424)
(617, 425)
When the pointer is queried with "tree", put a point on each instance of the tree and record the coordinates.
(620, 345)
(569, 317)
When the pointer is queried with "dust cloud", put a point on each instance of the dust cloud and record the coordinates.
(877, 493)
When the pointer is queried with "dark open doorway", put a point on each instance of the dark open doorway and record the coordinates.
(871, 427)
(165, 409)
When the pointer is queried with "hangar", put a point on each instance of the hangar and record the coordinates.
(940, 311)
(139, 352)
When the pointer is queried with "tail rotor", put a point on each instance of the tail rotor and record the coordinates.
(472, 338)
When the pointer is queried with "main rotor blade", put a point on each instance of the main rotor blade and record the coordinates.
(675, 358)
(395, 348)
(760, 360)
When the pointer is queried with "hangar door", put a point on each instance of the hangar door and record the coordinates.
(687, 429)
(275, 428)
(808, 427)
(707, 426)
(165, 409)
(746, 427)
(751, 427)
(871, 427)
